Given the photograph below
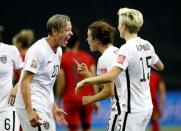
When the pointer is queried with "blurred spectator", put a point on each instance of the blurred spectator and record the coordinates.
(78, 114)
(22, 41)
(158, 93)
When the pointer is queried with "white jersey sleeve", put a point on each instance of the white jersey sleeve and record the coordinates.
(122, 58)
(155, 58)
(33, 61)
(106, 60)
(102, 66)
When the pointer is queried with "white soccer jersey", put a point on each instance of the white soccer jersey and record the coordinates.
(9, 59)
(135, 58)
(105, 63)
(44, 63)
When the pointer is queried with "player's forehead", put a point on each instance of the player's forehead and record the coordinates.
(68, 25)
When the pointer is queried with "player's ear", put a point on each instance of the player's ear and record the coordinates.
(54, 31)
(96, 40)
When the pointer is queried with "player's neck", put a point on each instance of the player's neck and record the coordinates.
(23, 52)
(129, 36)
(51, 44)
(72, 49)
(102, 48)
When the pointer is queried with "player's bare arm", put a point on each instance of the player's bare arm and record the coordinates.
(25, 90)
(104, 78)
(159, 66)
(106, 92)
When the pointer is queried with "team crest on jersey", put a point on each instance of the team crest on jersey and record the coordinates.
(46, 125)
(103, 70)
(34, 64)
(3, 59)
(121, 59)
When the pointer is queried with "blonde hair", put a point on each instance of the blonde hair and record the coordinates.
(25, 37)
(133, 19)
(57, 22)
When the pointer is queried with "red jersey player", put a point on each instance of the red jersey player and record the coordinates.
(157, 88)
(77, 113)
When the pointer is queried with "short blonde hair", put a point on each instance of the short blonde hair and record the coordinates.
(133, 19)
(57, 22)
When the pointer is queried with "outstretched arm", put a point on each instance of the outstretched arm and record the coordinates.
(106, 92)
(104, 78)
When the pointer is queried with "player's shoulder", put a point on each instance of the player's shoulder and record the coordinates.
(109, 54)
(9, 48)
(38, 46)
(114, 50)
(143, 41)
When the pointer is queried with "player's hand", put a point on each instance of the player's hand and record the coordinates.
(34, 118)
(80, 66)
(80, 84)
(12, 96)
(59, 116)
(82, 69)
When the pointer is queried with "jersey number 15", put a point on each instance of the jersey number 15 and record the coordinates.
(143, 79)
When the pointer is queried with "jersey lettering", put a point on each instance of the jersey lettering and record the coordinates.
(55, 70)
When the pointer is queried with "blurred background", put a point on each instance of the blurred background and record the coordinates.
(161, 27)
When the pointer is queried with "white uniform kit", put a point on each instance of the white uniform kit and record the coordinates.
(105, 63)
(44, 63)
(135, 58)
(9, 59)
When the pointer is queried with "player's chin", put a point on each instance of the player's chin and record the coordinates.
(64, 44)
(92, 49)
